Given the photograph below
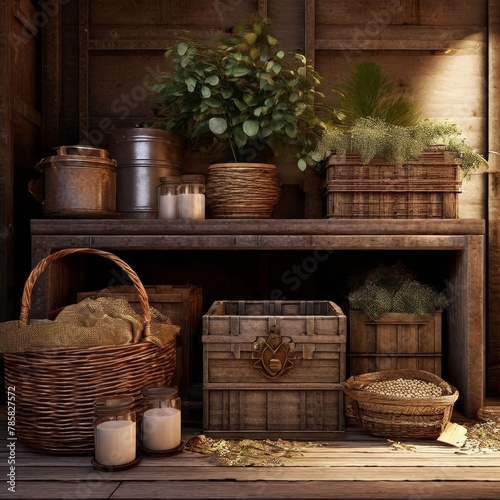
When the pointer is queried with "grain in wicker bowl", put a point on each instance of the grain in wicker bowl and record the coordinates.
(412, 404)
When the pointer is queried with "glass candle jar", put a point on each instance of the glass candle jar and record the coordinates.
(167, 197)
(115, 433)
(191, 197)
(161, 421)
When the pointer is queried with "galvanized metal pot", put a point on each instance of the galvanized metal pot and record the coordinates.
(143, 156)
(80, 184)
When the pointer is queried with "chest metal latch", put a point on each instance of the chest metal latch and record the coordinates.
(273, 353)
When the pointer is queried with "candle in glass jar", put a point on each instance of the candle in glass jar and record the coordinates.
(167, 206)
(191, 197)
(167, 197)
(191, 206)
(161, 429)
(115, 442)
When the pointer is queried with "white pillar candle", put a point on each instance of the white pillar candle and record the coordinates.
(161, 429)
(115, 442)
(167, 207)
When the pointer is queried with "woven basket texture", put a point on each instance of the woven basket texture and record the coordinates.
(487, 413)
(56, 387)
(246, 190)
(399, 417)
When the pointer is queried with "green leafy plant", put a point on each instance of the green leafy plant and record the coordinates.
(370, 92)
(392, 289)
(239, 91)
(373, 118)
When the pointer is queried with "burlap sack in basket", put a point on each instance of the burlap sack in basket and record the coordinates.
(55, 387)
(92, 322)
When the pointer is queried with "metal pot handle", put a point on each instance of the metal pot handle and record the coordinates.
(35, 188)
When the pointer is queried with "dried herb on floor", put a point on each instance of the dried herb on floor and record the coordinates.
(482, 437)
(244, 452)
(397, 445)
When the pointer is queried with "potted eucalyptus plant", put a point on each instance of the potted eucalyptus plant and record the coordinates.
(240, 95)
(401, 165)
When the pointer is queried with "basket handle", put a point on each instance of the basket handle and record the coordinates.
(47, 261)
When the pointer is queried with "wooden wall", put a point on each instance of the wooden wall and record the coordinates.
(20, 132)
(493, 213)
(5, 173)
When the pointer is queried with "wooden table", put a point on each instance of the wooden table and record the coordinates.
(463, 238)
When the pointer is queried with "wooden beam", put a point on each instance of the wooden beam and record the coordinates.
(84, 71)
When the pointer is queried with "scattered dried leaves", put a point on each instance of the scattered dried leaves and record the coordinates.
(397, 445)
(482, 437)
(245, 452)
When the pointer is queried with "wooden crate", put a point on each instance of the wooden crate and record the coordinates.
(302, 398)
(395, 341)
(181, 303)
(426, 187)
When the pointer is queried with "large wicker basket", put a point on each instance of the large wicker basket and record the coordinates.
(55, 388)
(399, 417)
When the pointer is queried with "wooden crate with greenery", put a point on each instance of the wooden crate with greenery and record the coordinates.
(395, 341)
(384, 161)
(394, 321)
(425, 187)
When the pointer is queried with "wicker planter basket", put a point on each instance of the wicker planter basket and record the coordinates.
(398, 417)
(487, 413)
(55, 387)
(242, 190)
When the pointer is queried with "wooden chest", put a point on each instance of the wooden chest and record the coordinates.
(181, 303)
(395, 341)
(274, 369)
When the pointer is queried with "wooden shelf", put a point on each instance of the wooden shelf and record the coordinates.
(464, 238)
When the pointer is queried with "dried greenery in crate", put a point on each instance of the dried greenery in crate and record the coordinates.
(392, 289)
(375, 117)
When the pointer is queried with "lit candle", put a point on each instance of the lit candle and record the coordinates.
(161, 429)
(115, 442)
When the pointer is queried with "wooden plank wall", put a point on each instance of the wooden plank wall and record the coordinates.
(5, 171)
(493, 345)
(20, 125)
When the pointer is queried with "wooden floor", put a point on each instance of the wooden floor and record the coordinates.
(359, 466)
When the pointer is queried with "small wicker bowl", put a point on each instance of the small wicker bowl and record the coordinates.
(397, 417)
(487, 413)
